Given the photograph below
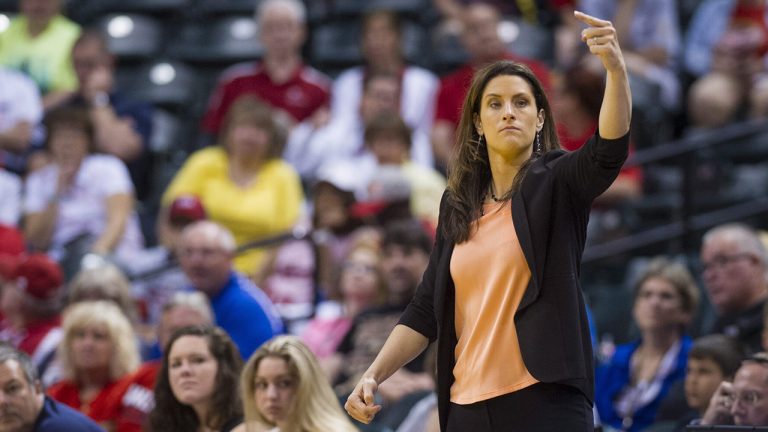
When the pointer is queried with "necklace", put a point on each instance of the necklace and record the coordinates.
(493, 196)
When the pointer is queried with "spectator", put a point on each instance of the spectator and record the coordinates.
(285, 389)
(26, 408)
(82, 202)
(98, 351)
(20, 111)
(184, 309)
(406, 247)
(197, 388)
(344, 137)
(206, 250)
(733, 261)
(122, 127)
(10, 190)
(651, 41)
(104, 282)
(742, 402)
(382, 50)
(31, 303)
(245, 169)
(712, 359)
(481, 40)
(38, 42)
(281, 79)
(631, 385)
(361, 286)
(725, 52)
(11, 241)
(389, 139)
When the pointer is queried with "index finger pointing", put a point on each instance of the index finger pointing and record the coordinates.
(590, 20)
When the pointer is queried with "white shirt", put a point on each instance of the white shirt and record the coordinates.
(83, 208)
(10, 198)
(19, 100)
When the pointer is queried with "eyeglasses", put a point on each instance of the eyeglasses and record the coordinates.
(720, 261)
(748, 398)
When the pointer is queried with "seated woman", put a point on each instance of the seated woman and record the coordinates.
(98, 350)
(81, 202)
(361, 286)
(197, 385)
(285, 390)
(245, 169)
(630, 387)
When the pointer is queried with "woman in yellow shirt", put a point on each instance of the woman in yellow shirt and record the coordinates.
(243, 183)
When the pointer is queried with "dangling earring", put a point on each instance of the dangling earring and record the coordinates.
(538, 143)
(475, 150)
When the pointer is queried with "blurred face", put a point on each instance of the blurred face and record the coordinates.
(389, 149)
(42, 10)
(20, 401)
(658, 306)
(88, 56)
(176, 318)
(247, 142)
(329, 206)
(480, 35)
(281, 33)
(380, 40)
(204, 262)
(381, 94)
(92, 347)
(275, 388)
(403, 268)
(730, 274)
(750, 395)
(702, 378)
(359, 279)
(192, 370)
(68, 145)
(508, 117)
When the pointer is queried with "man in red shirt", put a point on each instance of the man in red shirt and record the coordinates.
(282, 80)
(481, 40)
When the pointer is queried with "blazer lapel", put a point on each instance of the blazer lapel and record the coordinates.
(523, 231)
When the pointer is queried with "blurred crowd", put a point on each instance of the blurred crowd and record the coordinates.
(251, 289)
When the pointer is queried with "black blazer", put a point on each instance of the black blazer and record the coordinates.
(550, 211)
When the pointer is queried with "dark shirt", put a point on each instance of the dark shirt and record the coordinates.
(746, 327)
(140, 114)
(57, 417)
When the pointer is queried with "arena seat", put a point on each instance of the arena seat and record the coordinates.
(222, 40)
(132, 37)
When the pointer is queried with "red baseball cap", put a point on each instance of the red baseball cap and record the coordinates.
(38, 276)
(11, 240)
(186, 209)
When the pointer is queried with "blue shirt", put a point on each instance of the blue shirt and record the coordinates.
(57, 417)
(246, 313)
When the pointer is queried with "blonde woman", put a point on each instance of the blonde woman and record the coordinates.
(105, 282)
(98, 350)
(284, 390)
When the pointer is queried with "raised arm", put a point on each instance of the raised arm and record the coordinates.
(402, 346)
(616, 110)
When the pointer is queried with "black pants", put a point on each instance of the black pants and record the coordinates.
(538, 408)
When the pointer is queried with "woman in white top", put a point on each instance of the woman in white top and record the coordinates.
(80, 194)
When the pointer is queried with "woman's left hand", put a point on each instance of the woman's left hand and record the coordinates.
(600, 37)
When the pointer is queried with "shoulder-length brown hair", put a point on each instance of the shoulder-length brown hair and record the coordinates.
(469, 173)
(171, 415)
(248, 110)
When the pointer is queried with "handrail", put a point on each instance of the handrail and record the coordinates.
(687, 223)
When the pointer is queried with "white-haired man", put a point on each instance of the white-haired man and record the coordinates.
(281, 79)
(205, 252)
(734, 272)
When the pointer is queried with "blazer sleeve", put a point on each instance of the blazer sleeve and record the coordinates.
(591, 169)
(420, 312)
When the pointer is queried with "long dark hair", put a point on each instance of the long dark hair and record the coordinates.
(469, 173)
(171, 415)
